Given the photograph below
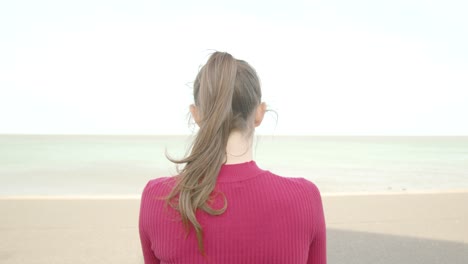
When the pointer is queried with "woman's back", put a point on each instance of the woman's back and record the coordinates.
(221, 207)
(269, 219)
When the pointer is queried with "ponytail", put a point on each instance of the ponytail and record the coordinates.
(218, 88)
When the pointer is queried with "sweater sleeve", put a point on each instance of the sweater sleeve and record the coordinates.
(318, 245)
(145, 210)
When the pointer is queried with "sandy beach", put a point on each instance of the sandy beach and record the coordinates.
(361, 228)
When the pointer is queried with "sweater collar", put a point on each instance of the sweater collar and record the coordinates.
(238, 172)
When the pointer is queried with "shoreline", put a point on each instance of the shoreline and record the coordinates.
(138, 196)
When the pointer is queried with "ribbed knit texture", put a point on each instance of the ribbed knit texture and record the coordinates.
(269, 219)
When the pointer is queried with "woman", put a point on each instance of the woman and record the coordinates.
(223, 208)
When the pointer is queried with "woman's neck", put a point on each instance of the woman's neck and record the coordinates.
(239, 148)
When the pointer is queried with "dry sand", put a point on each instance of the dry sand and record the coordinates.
(362, 228)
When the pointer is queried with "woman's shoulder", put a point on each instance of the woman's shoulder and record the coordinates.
(307, 184)
(159, 185)
(298, 183)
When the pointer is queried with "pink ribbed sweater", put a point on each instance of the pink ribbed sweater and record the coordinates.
(269, 219)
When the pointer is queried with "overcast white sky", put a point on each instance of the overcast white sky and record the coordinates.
(327, 67)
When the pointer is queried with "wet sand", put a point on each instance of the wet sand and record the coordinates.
(361, 228)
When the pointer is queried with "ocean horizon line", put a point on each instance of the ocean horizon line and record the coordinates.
(257, 134)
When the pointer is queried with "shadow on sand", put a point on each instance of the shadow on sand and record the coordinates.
(350, 247)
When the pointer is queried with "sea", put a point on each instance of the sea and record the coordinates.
(121, 165)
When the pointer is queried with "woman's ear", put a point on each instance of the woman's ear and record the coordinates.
(194, 112)
(260, 113)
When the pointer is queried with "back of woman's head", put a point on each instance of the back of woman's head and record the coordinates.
(226, 90)
(226, 94)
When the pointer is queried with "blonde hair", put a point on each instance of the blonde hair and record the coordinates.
(226, 94)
